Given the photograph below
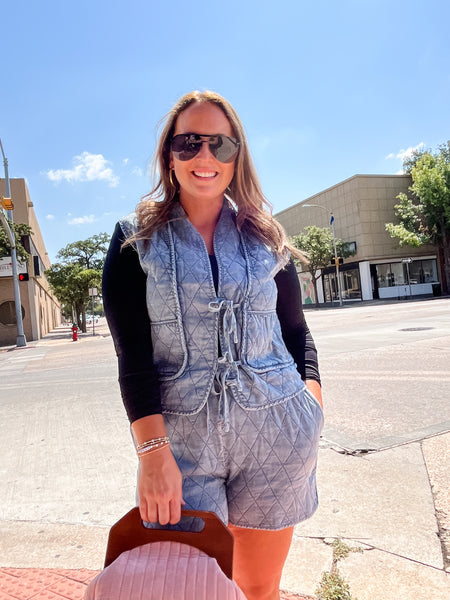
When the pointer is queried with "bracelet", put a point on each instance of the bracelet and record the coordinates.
(151, 442)
(152, 446)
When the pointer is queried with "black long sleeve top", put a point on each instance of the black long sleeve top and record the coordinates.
(124, 300)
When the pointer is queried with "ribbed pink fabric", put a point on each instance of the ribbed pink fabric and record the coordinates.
(163, 571)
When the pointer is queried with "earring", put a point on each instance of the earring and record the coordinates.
(171, 180)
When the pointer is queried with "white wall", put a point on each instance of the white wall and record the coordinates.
(366, 280)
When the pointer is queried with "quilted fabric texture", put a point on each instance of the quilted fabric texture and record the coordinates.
(163, 571)
(188, 317)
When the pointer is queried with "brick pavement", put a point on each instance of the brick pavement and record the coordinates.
(59, 584)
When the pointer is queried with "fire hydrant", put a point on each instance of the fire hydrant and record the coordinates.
(74, 333)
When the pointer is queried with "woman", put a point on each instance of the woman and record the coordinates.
(205, 310)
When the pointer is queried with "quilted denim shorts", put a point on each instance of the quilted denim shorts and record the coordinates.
(257, 470)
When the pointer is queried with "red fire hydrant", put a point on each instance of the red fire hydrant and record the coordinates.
(74, 333)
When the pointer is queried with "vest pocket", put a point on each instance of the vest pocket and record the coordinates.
(169, 349)
(265, 348)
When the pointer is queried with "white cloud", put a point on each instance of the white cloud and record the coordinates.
(137, 171)
(50, 217)
(81, 220)
(87, 167)
(125, 161)
(404, 154)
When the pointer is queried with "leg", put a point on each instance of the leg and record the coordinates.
(259, 557)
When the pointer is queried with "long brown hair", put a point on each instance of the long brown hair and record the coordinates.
(254, 212)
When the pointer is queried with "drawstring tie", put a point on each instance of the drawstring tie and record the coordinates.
(227, 373)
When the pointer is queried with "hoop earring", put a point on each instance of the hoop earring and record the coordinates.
(171, 180)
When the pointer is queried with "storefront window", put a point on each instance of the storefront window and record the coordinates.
(423, 271)
(351, 287)
(420, 271)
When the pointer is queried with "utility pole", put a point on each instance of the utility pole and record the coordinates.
(7, 203)
(336, 258)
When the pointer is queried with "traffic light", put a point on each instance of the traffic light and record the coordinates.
(339, 260)
(23, 277)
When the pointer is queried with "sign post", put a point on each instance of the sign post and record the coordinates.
(93, 292)
(407, 261)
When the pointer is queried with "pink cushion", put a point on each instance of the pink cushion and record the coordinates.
(163, 571)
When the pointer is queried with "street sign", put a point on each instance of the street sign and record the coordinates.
(407, 260)
(93, 292)
(6, 267)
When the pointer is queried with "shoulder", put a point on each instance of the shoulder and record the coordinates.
(129, 224)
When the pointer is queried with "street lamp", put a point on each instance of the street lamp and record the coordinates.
(336, 261)
(8, 205)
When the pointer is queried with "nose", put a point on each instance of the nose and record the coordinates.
(205, 152)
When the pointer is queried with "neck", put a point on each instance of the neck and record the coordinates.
(204, 217)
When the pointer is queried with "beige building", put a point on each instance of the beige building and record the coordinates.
(361, 207)
(40, 309)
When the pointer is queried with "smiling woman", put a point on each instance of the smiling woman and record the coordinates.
(216, 363)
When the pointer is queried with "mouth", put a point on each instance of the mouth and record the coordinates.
(205, 174)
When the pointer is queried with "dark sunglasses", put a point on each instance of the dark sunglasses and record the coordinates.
(187, 145)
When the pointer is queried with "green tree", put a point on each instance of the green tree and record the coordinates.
(317, 244)
(88, 253)
(20, 230)
(70, 284)
(424, 215)
(80, 269)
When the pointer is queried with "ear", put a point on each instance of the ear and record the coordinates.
(171, 160)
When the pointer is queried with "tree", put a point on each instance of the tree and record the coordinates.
(80, 269)
(317, 243)
(20, 230)
(70, 284)
(424, 215)
(89, 253)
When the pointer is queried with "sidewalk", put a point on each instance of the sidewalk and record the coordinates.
(391, 504)
(58, 584)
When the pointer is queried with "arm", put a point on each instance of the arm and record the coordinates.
(124, 298)
(296, 335)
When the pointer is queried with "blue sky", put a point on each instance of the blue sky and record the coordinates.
(325, 90)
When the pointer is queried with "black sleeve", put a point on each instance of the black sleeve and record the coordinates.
(124, 300)
(296, 335)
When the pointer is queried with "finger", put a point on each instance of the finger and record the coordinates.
(175, 511)
(143, 508)
(152, 512)
(163, 513)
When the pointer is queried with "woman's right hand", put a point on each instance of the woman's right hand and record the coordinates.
(160, 487)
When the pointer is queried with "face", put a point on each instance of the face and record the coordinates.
(203, 177)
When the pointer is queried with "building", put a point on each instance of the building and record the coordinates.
(40, 309)
(380, 268)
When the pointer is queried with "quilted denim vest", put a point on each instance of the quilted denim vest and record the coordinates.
(227, 342)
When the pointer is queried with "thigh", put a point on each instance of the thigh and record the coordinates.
(258, 560)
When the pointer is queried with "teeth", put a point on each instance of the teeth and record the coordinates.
(211, 174)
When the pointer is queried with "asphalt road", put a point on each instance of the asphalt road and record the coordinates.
(385, 371)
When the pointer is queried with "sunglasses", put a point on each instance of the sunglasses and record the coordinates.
(187, 145)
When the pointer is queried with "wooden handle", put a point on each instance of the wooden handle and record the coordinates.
(215, 539)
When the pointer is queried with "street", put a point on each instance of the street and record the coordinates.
(68, 465)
